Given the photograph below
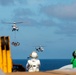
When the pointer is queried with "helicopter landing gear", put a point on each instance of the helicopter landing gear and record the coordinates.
(15, 29)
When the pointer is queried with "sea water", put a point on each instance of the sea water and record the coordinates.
(46, 64)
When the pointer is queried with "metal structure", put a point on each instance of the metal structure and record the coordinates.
(6, 63)
(5, 54)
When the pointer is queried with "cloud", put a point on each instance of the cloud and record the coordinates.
(31, 22)
(23, 12)
(25, 15)
(61, 11)
(12, 2)
(27, 21)
(67, 29)
(6, 2)
(65, 13)
(63, 28)
(47, 23)
(22, 1)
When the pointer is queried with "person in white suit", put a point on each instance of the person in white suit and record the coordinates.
(33, 64)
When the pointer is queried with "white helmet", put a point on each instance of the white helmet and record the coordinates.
(34, 55)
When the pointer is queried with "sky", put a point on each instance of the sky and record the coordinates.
(50, 23)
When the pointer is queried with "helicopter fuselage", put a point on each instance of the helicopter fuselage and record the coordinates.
(15, 28)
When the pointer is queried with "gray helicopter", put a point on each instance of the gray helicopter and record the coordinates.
(14, 26)
(39, 48)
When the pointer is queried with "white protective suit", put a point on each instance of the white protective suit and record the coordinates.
(33, 64)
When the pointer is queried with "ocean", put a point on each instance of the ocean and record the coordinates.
(46, 64)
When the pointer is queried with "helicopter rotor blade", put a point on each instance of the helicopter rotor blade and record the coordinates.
(5, 22)
(11, 22)
(17, 22)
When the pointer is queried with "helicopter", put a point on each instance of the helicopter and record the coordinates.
(14, 26)
(39, 48)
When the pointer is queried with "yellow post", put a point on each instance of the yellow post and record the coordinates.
(9, 59)
(9, 62)
(4, 55)
(0, 55)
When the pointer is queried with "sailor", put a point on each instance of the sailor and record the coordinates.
(73, 60)
(33, 64)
